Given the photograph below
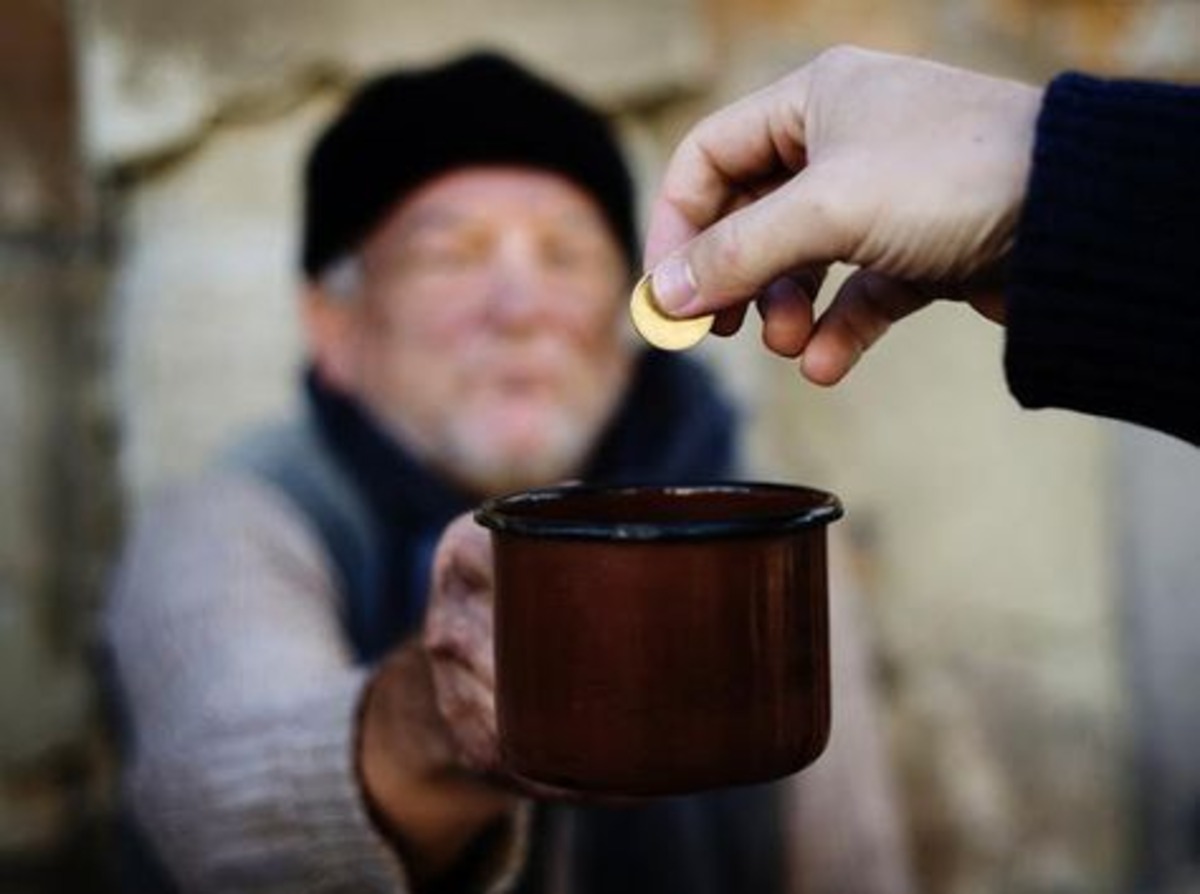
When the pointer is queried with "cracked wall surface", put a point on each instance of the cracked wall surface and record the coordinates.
(153, 79)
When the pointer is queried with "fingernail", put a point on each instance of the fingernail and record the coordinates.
(674, 285)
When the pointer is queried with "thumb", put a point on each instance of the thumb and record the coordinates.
(801, 224)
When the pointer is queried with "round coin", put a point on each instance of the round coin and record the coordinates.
(657, 328)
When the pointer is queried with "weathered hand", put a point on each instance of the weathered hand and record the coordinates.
(913, 171)
(427, 726)
(458, 640)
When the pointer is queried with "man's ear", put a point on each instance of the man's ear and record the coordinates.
(330, 329)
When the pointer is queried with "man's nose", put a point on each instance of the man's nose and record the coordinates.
(519, 293)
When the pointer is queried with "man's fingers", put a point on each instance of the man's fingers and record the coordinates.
(669, 228)
(724, 156)
(464, 556)
(786, 308)
(464, 638)
(459, 622)
(467, 705)
(861, 312)
(459, 629)
(807, 222)
(729, 321)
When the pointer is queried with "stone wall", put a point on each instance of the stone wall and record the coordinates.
(57, 520)
(146, 296)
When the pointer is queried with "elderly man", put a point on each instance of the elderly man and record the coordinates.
(468, 239)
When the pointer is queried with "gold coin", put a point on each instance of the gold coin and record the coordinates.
(657, 328)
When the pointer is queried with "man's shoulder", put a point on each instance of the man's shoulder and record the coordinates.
(214, 499)
(242, 491)
(293, 458)
(270, 444)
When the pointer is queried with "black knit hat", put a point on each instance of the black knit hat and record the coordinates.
(400, 129)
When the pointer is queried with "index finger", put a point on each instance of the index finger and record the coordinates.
(723, 158)
(464, 553)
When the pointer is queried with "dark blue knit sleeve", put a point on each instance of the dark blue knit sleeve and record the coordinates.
(1104, 296)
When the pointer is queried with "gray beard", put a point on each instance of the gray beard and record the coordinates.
(467, 457)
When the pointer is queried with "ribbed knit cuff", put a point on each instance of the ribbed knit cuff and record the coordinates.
(1104, 300)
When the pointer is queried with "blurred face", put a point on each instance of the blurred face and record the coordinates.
(483, 331)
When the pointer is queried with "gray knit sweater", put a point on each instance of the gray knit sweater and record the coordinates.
(242, 691)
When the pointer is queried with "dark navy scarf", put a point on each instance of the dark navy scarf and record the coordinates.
(673, 427)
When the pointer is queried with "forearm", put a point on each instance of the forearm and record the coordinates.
(280, 801)
(264, 802)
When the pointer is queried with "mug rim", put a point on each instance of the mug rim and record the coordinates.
(501, 513)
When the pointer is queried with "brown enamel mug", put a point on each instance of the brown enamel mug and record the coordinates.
(658, 640)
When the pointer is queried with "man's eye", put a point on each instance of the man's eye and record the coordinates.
(445, 257)
(568, 256)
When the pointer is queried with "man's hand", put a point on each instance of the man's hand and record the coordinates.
(422, 779)
(458, 640)
(913, 171)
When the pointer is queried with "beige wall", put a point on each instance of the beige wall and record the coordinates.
(985, 536)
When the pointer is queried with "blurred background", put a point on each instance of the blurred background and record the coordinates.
(1031, 578)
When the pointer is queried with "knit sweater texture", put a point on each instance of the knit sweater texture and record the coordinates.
(1104, 297)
